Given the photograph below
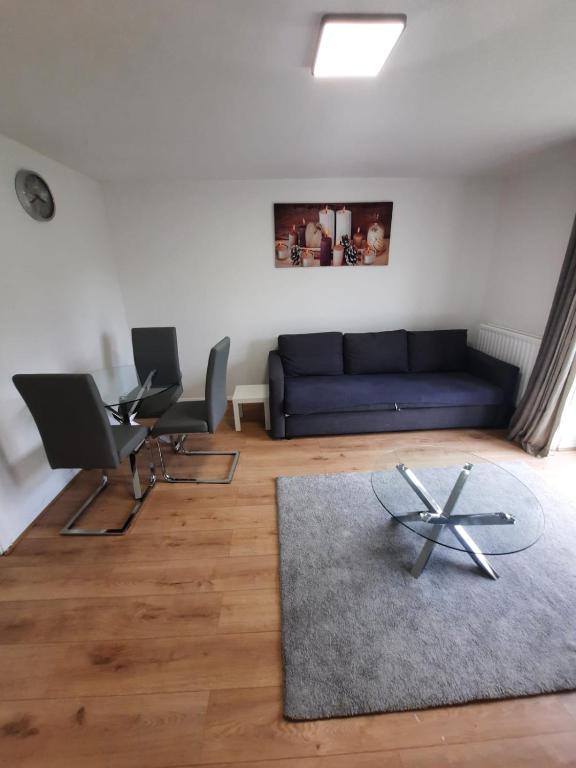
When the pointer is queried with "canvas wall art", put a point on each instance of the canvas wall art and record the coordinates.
(332, 234)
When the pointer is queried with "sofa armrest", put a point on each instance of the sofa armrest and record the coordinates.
(276, 386)
(504, 375)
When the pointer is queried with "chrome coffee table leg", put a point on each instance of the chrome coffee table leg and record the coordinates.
(440, 518)
(472, 548)
(424, 556)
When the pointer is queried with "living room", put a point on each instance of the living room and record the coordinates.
(173, 177)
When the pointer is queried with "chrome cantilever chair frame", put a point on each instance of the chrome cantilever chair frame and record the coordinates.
(198, 417)
(177, 446)
(70, 528)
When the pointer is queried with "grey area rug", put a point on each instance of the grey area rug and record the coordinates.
(361, 635)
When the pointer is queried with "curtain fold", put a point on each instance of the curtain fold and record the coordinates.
(538, 415)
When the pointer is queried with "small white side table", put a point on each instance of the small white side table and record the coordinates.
(250, 393)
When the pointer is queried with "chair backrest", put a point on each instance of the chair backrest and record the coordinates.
(157, 348)
(71, 419)
(216, 402)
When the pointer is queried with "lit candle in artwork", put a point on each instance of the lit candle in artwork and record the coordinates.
(313, 234)
(326, 218)
(358, 238)
(375, 236)
(307, 258)
(343, 224)
(325, 250)
(338, 255)
(302, 233)
(369, 256)
(292, 236)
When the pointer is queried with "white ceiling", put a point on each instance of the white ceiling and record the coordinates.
(223, 89)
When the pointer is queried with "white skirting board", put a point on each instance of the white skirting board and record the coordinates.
(514, 347)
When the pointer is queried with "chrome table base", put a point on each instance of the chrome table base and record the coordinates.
(441, 518)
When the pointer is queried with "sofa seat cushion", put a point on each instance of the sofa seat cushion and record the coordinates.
(312, 354)
(374, 392)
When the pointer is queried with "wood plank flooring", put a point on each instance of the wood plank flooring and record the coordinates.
(161, 649)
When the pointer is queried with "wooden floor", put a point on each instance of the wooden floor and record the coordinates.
(162, 648)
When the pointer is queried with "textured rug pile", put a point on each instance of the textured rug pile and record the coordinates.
(361, 635)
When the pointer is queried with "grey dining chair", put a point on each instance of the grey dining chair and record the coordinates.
(77, 434)
(156, 348)
(203, 416)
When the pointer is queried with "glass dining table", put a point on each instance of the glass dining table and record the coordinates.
(122, 389)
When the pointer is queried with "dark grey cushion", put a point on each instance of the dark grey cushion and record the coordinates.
(311, 354)
(384, 352)
(71, 419)
(215, 390)
(182, 418)
(154, 406)
(157, 348)
(128, 437)
(437, 351)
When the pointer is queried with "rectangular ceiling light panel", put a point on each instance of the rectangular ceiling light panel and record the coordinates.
(356, 45)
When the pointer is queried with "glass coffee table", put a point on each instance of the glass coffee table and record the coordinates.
(471, 505)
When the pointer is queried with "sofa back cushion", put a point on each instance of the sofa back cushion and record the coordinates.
(437, 351)
(384, 352)
(311, 354)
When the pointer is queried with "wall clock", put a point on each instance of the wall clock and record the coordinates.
(34, 195)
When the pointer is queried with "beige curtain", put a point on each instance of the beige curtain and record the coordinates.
(538, 415)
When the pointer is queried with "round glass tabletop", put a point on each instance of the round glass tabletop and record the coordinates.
(121, 385)
(465, 502)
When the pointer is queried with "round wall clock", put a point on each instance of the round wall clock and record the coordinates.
(34, 195)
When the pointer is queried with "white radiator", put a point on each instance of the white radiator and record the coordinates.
(513, 347)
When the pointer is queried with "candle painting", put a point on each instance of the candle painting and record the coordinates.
(332, 234)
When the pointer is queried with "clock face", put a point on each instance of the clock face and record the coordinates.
(34, 195)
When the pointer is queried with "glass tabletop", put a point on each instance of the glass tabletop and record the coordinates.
(121, 385)
(461, 497)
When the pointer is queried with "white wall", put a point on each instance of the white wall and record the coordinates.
(200, 256)
(60, 310)
(536, 211)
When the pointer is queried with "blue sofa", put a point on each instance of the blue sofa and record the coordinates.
(334, 383)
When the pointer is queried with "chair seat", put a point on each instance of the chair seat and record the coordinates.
(182, 418)
(128, 438)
